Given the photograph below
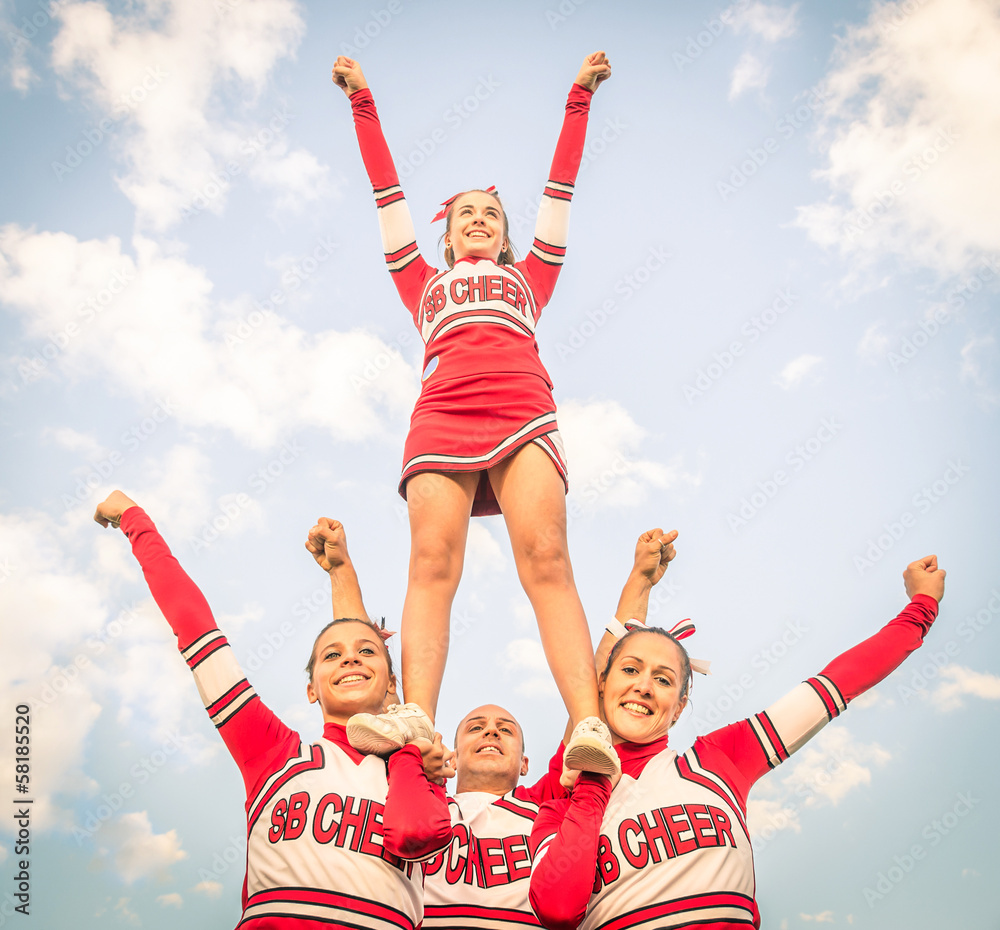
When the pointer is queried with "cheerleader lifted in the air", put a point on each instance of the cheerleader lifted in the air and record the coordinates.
(483, 436)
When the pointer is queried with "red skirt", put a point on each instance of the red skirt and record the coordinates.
(471, 424)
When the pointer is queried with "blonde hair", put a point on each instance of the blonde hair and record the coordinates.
(506, 257)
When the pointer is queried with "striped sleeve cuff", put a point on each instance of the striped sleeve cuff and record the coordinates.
(223, 688)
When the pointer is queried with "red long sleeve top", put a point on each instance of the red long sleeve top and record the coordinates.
(332, 834)
(670, 845)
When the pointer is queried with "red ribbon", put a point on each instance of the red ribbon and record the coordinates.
(443, 212)
(682, 629)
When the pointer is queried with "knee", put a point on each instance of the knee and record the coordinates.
(435, 562)
(545, 561)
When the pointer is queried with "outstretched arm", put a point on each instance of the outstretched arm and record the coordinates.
(548, 248)
(399, 241)
(252, 733)
(757, 745)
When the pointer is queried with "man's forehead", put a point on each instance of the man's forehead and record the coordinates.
(488, 711)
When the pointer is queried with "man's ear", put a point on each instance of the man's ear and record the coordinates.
(524, 765)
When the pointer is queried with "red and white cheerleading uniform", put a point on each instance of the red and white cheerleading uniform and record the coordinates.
(485, 391)
(327, 830)
(481, 880)
(671, 842)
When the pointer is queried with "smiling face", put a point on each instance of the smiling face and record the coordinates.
(489, 751)
(350, 672)
(642, 692)
(476, 227)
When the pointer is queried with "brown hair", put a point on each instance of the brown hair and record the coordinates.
(506, 257)
(685, 659)
(385, 649)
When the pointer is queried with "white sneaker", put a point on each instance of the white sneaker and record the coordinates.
(382, 734)
(590, 750)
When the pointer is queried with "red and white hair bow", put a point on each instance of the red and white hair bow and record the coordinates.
(680, 630)
(446, 206)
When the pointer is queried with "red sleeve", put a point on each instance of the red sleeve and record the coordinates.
(757, 745)
(251, 732)
(547, 788)
(548, 249)
(399, 242)
(417, 823)
(564, 844)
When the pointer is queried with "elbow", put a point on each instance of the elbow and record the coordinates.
(417, 844)
(554, 914)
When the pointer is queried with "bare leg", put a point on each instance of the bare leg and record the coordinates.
(439, 506)
(533, 499)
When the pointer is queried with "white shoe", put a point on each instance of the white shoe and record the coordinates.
(382, 734)
(590, 750)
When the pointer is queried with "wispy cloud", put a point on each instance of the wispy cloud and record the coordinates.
(911, 122)
(136, 851)
(166, 75)
(958, 682)
(793, 374)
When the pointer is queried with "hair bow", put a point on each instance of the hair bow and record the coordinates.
(680, 630)
(382, 631)
(443, 212)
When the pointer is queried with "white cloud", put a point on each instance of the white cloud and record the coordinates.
(795, 371)
(208, 888)
(957, 681)
(525, 659)
(830, 766)
(825, 917)
(524, 616)
(85, 645)
(770, 23)
(75, 441)
(126, 914)
(911, 122)
(978, 359)
(766, 816)
(821, 773)
(482, 552)
(602, 448)
(170, 900)
(136, 851)
(148, 323)
(48, 661)
(869, 699)
(161, 75)
(874, 343)
(750, 73)
(766, 24)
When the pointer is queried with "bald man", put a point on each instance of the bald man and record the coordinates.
(481, 880)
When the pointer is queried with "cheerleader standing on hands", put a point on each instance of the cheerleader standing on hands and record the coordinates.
(483, 436)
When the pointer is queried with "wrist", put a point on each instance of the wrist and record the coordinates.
(341, 568)
(639, 582)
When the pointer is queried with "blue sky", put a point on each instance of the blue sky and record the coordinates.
(775, 331)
